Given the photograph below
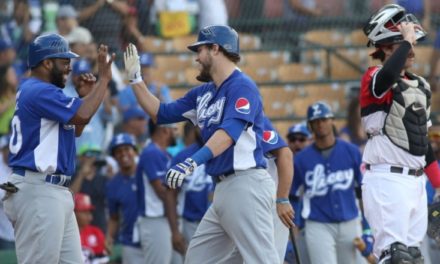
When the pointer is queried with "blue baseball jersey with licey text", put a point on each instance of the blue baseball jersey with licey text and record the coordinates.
(329, 183)
(153, 165)
(122, 200)
(42, 140)
(193, 199)
(209, 107)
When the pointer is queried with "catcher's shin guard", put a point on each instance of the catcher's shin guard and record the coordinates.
(416, 254)
(397, 254)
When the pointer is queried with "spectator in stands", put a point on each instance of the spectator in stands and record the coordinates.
(134, 122)
(8, 86)
(298, 137)
(297, 12)
(212, 12)
(8, 56)
(92, 238)
(353, 131)
(80, 39)
(126, 97)
(122, 200)
(156, 203)
(6, 231)
(21, 28)
(104, 19)
(94, 132)
(66, 20)
(90, 179)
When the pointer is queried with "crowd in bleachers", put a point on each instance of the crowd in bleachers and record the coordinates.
(320, 62)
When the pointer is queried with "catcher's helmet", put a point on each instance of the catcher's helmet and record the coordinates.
(48, 46)
(224, 36)
(122, 139)
(319, 110)
(382, 26)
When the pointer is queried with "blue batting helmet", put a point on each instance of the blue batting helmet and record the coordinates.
(48, 46)
(319, 110)
(224, 36)
(122, 139)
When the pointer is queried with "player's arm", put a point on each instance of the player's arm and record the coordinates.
(284, 161)
(112, 229)
(179, 243)
(94, 98)
(146, 99)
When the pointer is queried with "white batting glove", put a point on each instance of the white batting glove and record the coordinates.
(132, 65)
(178, 172)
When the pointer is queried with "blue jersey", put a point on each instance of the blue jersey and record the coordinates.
(153, 164)
(196, 187)
(122, 200)
(212, 108)
(42, 140)
(271, 139)
(328, 183)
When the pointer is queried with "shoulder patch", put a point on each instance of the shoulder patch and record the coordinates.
(243, 106)
(270, 136)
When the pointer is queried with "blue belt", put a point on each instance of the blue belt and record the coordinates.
(57, 179)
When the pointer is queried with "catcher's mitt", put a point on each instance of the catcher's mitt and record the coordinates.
(434, 221)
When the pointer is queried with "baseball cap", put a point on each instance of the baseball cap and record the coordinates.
(67, 11)
(79, 35)
(89, 150)
(300, 128)
(4, 45)
(146, 59)
(83, 202)
(122, 139)
(134, 112)
(81, 66)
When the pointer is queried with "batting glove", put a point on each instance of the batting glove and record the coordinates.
(177, 173)
(368, 240)
(132, 65)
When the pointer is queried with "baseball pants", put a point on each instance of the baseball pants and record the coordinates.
(241, 216)
(189, 229)
(132, 255)
(332, 243)
(395, 206)
(155, 236)
(45, 226)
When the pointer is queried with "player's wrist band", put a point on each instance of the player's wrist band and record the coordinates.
(282, 201)
(202, 155)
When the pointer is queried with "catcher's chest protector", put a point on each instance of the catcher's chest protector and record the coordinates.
(406, 121)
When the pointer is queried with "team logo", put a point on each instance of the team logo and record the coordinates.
(270, 136)
(243, 106)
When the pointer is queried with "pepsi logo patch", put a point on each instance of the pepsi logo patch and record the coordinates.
(270, 136)
(243, 106)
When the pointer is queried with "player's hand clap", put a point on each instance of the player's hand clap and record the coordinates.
(132, 65)
(104, 65)
(286, 214)
(178, 172)
(86, 84)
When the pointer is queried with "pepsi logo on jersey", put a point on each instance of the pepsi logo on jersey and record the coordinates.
(243, 106)
(270, 137)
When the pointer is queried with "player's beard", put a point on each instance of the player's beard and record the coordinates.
(57, 77)
(205, 75)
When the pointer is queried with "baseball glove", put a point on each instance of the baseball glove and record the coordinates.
(434, 221)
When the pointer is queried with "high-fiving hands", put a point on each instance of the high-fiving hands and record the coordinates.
(132, 64)
(177, 173)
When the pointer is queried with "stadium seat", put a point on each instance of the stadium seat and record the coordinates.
(298, 72)
(155, 44)
(342, 70)
(423, 56)
(177, 93)
(169, 77)
(174, 62)
(190, 76)
(277, 99)
(249, 42)
(324, 38)
(265, 58)
(259, 74)
(357, 37)
(180, 44)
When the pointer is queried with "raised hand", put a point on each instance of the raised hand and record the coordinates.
(86, 84)
(177, 173)
(408, 32)
(104, 64)
(132, 65)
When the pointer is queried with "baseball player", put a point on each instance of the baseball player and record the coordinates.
(195, 194)
(329, 172)
(298, 137)
(395, 108)
(42, 152)
(122, 199)
(228, 110)
(157, 209)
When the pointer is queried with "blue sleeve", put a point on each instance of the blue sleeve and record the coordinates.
(271, 138)
(179, 110)
(53, 104)
(152, 165)
(243, 103)
(233, 127)
(298, 178)
(112, 204)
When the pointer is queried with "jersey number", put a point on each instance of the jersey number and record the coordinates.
(16, 137)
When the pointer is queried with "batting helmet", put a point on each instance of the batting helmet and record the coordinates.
(319, 110)
(122, 139)
(382, 26)
(48, 46)
(224, 36)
